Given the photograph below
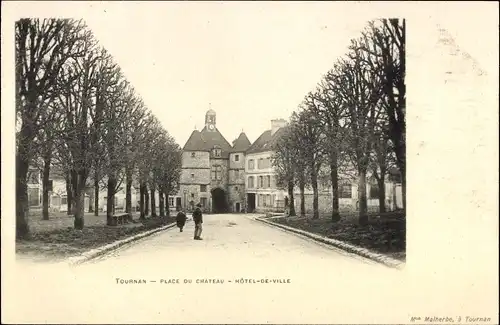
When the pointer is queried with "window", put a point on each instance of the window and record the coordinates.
(261, 180)
(268, 162)
(216, 172)
(250, 182)
(236, 188)
(260, 163)
(192, 176)
(374, 191)
(171, 201)
(64, 200)
(268, 200)
(193, 154)
(345, 191)
(203, 188)
(236, 157)
(203, 202)
(192, 195)
(251, 164)
(217, 152)
(268, 182)
(236, 174)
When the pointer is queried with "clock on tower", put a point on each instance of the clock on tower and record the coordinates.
(210, 120)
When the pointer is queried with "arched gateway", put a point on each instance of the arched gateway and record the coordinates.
(219, 201)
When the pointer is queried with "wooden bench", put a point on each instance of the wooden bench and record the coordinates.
(121, 218)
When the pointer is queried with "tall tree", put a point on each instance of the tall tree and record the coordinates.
(171, 167)
(385, 44)
(136, 125)
(79, 101)
(42, 48)
(309, 141)
(283, 161)
(361, 94)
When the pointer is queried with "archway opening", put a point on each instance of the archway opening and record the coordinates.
(219, 202)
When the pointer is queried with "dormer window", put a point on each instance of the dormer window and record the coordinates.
(217, 152)
(193, 154)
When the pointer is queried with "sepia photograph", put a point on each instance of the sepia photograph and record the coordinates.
(194, 162)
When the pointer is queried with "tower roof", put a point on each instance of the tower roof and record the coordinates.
(210, 112)
(241, 144)
(205, 140)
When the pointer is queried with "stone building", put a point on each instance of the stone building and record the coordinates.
(239, 177)
(212, 170)
(262, 193)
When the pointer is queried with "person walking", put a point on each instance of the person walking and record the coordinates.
(198, 221)
(181, 218)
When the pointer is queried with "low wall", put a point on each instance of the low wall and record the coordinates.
(325, 204)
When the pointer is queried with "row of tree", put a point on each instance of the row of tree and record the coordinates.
(353, 120)
(75, 110)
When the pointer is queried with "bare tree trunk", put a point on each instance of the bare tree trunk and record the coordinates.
(403, 184)
(153, 202)
(167, 203)
(96, 195)
(314, 184)
(128, 194)
(110, 201)
(291, 203)
(381, 192)
(74, 189)
(91, 202)
(363, 204)
(79, 209)
(45, 184)
(22, 206)
(141, 200)
(146, 199)
(302, 197)
(335, 188)
(80, 199)
(69, 193)
(162, 202)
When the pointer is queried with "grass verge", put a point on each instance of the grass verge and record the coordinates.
(385, 236)
(67, 242)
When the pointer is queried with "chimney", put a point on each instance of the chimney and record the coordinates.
(276, 125)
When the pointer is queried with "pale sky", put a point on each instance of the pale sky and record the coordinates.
(252, 62)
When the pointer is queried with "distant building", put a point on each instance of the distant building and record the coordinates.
(58, 199)
(229, 177)
(261, 191)
(240, 177)
(212, 170)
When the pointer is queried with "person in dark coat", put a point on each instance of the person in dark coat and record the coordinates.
(198, 221)
(181, 218)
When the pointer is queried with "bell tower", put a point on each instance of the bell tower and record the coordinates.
(210, 120)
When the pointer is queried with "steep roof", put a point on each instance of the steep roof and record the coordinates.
(241, 144)
(205, 140)
(194, 141)
(266, 141)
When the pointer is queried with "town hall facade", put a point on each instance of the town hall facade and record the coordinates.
(239, 176)
(228, 177)
(213, 170)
